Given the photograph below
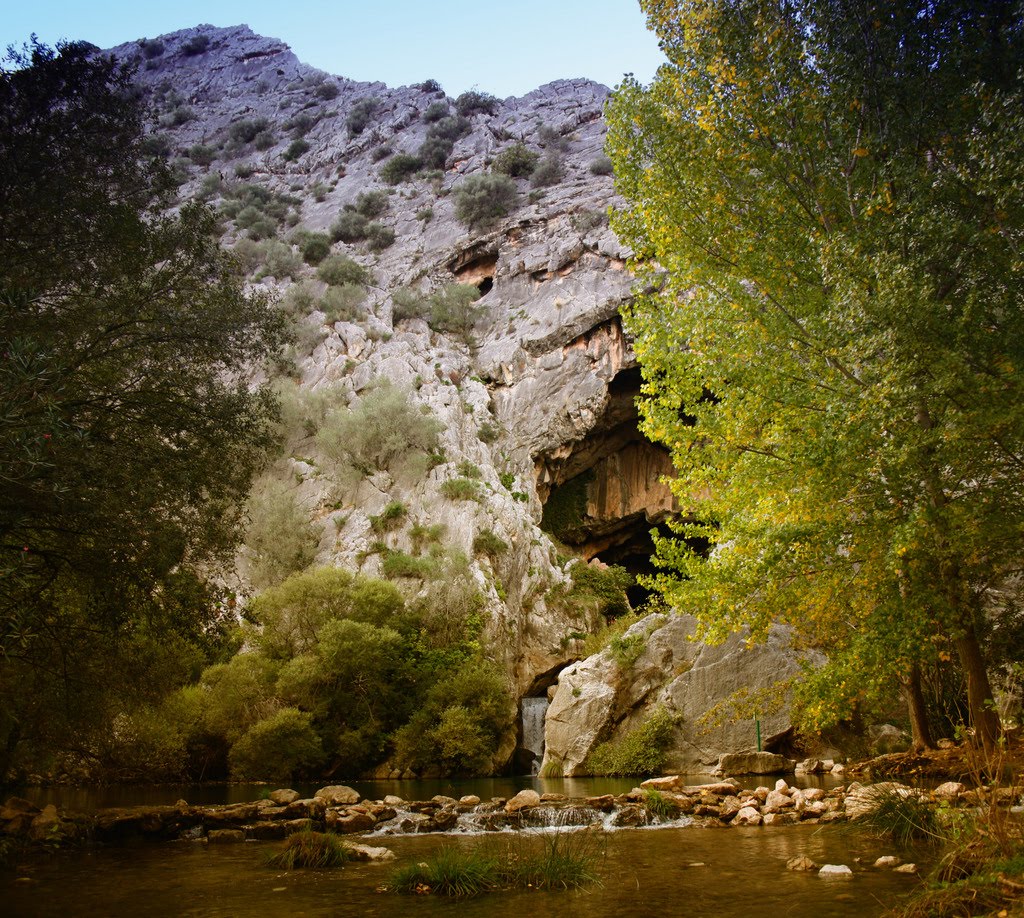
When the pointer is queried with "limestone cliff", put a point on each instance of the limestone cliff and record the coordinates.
(537, 397)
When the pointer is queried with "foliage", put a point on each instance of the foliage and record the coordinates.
(640, 752)
(295, 149)
(461, 489)
(454, 310)
(658, 805)
(461, 722)
(201, 154)
(601, 588)
(601, 165)
(130, 431)
(400, 168)
(372, 203)
(379, 237)
(197, 44)
(349, 227)
(315, 247)
(341, 303)
(482, 199)
(245, 130)
(340, 269)
(488, 542)
(392, 514)
(904, 817)
(560, 860)
(327, 91)
(311, 849)
(279, 259)
(280, 537)
(475, 103)
(566, 507)
(517, 161)
(435, 112)
(823, 214)
(360, 114)
(550, 171)
(383, 431)
(276, 748)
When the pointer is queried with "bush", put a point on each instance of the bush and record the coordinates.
(408, 303)
(379, 237)
(482, 199)
(640, 752)
(300, 125)
(339, 269)
(341, 302)
(901, 816)
(349, 227)
(372, 203)
(516, 161)
(461, 489)
(400, 168)
(452, 128)
(311, 849)
(460, 724)
(549, 172)
(264, 140)
(360, 114)
(434, 152)
(151, 48)
(276, 748)
(327, 91)
(601, 165)
(258, 224)
(435, 112)
(475, 103)
(293, 613)
(246, 130)
(280, 537)
(552, 138)
(196, 45)
(315, 247)
(453, 310)
(392, 514)
(429, 86)
(295, 149)
(488, 432)
(383, 431)
(488, 542)
(201, 154)
(280, 259)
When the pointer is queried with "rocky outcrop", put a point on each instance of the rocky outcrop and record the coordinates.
(537, 398)
(706, 687)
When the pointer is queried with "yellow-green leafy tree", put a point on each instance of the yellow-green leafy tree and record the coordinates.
(824, 205)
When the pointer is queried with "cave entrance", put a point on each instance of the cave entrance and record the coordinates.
(485, 285)
(604, 494)
(476, 268)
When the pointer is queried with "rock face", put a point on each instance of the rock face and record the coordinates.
(537, 399)
(599, 697)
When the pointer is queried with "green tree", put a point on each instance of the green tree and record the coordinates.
(825, 201)
(128, 430)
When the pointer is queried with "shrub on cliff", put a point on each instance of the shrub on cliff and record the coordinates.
(483, 199)
(360, 114)
(340, 269)
(517, 161)
(400, 168)
(475, 103)
(640, 752)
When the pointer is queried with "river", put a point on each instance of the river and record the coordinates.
(678, 871)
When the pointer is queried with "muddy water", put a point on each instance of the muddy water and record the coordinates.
(653, 872)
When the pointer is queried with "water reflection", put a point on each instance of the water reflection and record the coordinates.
(644, 873)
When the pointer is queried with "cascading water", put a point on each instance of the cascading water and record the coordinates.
(532, 712)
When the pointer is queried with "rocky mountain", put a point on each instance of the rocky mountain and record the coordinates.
(539, 469)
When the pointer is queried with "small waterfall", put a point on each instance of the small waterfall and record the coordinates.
(532, 712)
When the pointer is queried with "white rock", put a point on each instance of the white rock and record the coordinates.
(887, 861)
(836, 872)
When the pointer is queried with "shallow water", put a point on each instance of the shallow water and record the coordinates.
(643, 873)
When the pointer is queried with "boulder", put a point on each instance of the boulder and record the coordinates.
(283, 796)
(777, 801)
(753, 763)
(225, 836)
(905, 868)
(863, 798)
(370, 853)
(950, 790)
(471, 800)
(801, 862)
(887, 862)
(45, 824)
(337, 795)
(747, 816)
(835, 872)
(522, 800)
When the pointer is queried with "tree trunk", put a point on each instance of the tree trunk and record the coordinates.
(919, 728)
(979, 690)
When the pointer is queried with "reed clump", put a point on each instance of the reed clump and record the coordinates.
(310, 849)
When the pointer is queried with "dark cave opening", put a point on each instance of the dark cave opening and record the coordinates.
(485, 285)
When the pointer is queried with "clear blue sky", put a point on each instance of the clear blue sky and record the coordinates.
(503, 48)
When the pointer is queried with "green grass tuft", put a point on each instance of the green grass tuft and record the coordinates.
(310, 849)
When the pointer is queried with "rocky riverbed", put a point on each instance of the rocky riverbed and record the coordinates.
(656, 802)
